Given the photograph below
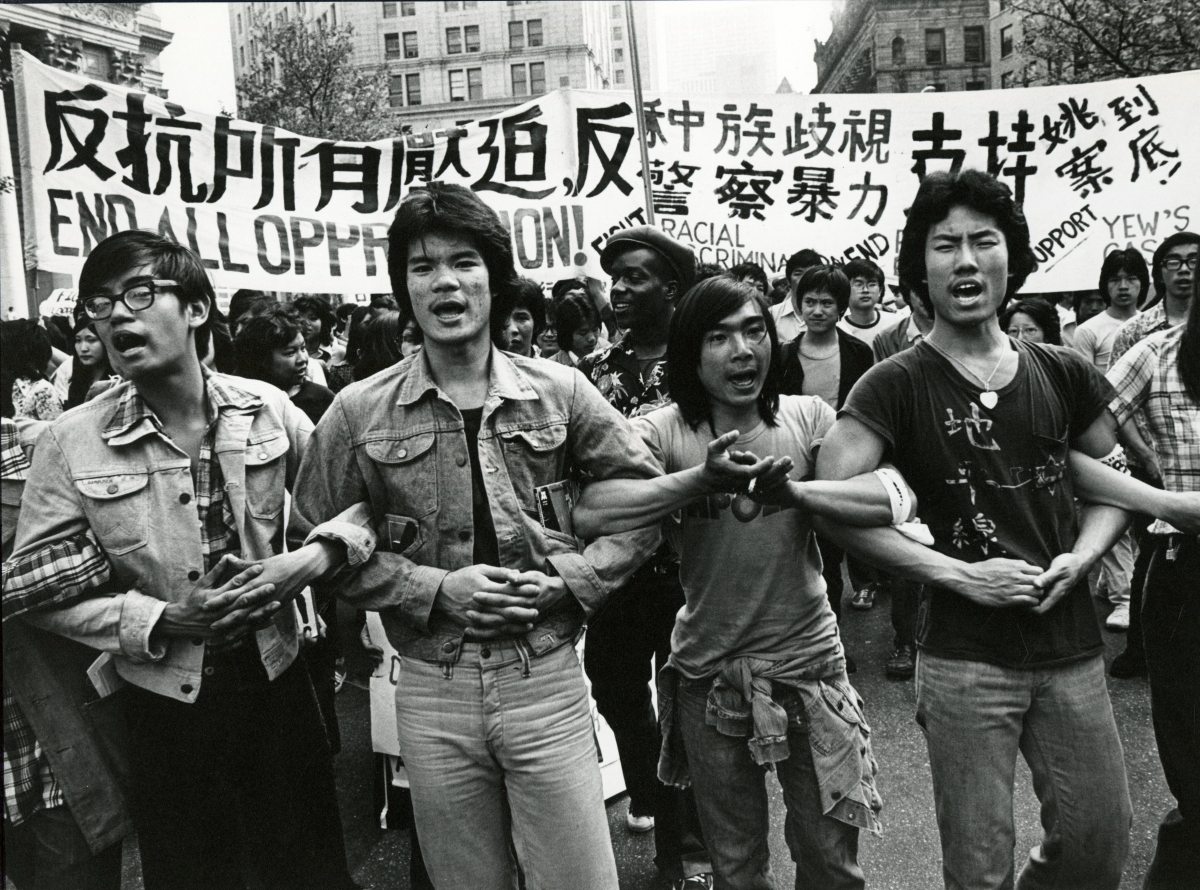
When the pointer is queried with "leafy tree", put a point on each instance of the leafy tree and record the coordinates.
(1091, 40)
(304, 80)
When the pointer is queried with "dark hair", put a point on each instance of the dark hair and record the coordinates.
(573, 313)
(700, 311)
(1044, 315)
(343, 313)
(802, 259)
(941, 192)
(566, 285)
(383, 301)
(380, 343)
(526, 294)
(706, 270)
(863, 268)
(24, 353)
(1189, 346)
(1129, 261)
(1077, 298)
(1161, 254)
(117, 254)
(751, 270)
(82, 377)
(826, 278)
(267, 327)
(314, 304)
(242, 302)
(354, 340)
(451, 211)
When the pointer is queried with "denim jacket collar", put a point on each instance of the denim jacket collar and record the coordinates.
(133, 418)
(505, 380)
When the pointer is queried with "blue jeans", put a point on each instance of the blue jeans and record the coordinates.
(731, 794)
(500, 752)
(976, 717)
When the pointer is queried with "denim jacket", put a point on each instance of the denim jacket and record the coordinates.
(132, 488)
(398, 442)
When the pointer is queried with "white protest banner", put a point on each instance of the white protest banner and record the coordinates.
(739, 178)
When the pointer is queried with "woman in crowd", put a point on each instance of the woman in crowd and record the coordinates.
(517, 331)
(577, 330)
(318, 320)
(24, 389)
(89, 365)
(379, 347)
(1032, 320)
(270, 347)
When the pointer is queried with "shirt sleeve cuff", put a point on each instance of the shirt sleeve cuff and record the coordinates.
(417, 603)
(581, 580)
(352, 527)
(139, 615)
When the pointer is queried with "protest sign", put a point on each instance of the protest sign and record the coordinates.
(739, 178)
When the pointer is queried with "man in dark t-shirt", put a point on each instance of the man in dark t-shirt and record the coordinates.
(1010, 650)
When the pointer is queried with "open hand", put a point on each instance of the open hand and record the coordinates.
(732, 471)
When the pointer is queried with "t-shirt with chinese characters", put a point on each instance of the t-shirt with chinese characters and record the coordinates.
(991, 482)
(751, 574)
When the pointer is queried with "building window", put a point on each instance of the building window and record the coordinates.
(474, 83)
(389, 11)
(283, 16)
(410, 44)
(391, 46)
(616, 10)
(898, 51)
(534, 27)
(253, 50)
(617, 33)
(619, 76)
(1006, 80)
(396, 90)
(95, 62)
(453, 41)
(453, 5)
(618, 55)
(938, 87)
(408, 7)
(470, 4)
(935, 47)
(458, 86)
(471, 38)
(1006, 41)
(516, 35)
(520, 81)
(239, 23)
(242, 54)
(973, 45)
(333, 16)
(976, 84)
(537, 78)
(413, 83)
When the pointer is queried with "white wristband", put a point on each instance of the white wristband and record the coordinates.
(893, 484)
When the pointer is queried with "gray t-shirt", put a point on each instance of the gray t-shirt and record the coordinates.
(751, 576)
(822, 376)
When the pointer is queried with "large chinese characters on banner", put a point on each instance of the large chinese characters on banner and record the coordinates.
(739, 178)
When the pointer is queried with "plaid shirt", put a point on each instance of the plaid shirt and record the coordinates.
(1137, 329)
(29, 784)
(1147, 380)
(75, 568)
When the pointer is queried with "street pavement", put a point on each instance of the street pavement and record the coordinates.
(906, 857)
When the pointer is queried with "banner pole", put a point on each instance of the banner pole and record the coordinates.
(640, 110)
(14, 298)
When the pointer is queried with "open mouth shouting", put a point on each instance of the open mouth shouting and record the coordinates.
(744, 380)
(127, 343)
(449, 311)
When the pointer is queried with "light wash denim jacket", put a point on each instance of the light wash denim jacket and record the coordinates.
(398, 442)
(125, 485)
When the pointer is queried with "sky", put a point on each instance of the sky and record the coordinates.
(198, 65)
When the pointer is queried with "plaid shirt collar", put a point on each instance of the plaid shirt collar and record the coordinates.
(13, 462)
(132, 418)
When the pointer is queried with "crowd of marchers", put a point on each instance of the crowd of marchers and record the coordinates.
(679, 464)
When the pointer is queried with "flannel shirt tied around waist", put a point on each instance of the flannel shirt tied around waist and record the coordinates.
(740, 704)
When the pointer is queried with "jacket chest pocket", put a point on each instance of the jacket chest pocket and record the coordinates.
(118, 509)
(838, 700)
(266, 476)
(534, 457)
(408, 467)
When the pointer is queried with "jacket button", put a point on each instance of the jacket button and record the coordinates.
(193, 575)
(112, 489)
(401, 453)
(208, 671)
(186, 688)
(185, 498)
(836, 795)
(461, 460)
(485, 652)
(464, 535)
(262, 455)
(449, 646)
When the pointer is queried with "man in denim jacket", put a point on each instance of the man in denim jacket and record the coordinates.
(464, 455)
(140, 512)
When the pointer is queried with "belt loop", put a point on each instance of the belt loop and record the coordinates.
(522, 650)
(448, 670)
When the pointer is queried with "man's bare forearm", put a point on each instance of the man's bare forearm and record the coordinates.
(620, 505)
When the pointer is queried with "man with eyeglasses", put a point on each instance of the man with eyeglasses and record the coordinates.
(863, 319)
(151, 529)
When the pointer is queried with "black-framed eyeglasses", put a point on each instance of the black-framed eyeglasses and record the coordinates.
(141, 296)
(1175, 263)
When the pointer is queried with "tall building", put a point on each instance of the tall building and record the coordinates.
(457, 60)
(907, 46)
(715, 47)
(622, 57)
